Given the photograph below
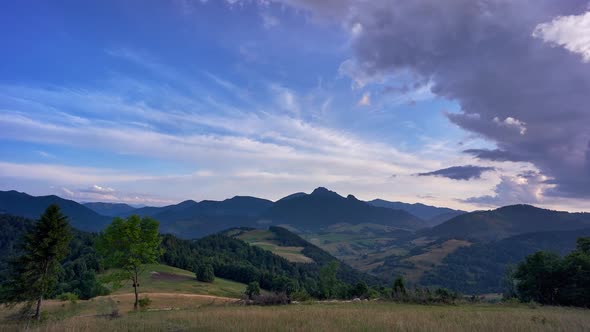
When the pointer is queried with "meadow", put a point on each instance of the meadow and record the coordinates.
(159, 278)
(172, 312)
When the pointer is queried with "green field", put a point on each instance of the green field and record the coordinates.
(167, 279)
(207, 315)
(266, 240)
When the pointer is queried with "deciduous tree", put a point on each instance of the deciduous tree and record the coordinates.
(129, 244)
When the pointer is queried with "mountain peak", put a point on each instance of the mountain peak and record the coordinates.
(321, 191)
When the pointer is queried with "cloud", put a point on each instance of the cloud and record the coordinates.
(269, 21)
(528, 188)
(494, 155)
(571, 32)
(96, 189)
(511, 122)
(365, 99)
(286, 98)
(490, 57)
(468, 172)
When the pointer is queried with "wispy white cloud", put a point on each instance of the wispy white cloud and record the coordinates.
(269, 20)
(251, 148)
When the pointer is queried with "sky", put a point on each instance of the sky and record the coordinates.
(468, 104)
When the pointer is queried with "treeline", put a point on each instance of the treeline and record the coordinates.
(548, 278)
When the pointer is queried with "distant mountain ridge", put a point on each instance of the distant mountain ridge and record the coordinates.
(318, 210)
(323, 208)
(431, 214)
(110, 209)
(507, 221)
(24, 205)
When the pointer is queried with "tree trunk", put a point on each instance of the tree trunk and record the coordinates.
(38, 310)
(135, 285)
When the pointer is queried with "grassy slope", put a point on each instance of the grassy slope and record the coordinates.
(325, 317)
(167, 279)
(368, 251)
(264, 239)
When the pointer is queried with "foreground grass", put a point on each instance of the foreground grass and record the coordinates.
(223, 316)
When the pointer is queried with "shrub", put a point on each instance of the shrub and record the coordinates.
(204, 273)
(253, 289)
(144, 303)
(71, 297)
(301, 296)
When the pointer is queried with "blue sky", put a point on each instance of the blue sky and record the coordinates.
(160, 101)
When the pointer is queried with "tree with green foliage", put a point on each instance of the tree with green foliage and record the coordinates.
(33, 275)
(399, 288)
(360, 290)
(204, 273)
(252, 289)
(328, 280)
(539, 277)
(284, 284)
(547, 278)
(129, 244)
(576, 271)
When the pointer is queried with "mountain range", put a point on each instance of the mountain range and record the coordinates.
(189, 219)
(381, 238)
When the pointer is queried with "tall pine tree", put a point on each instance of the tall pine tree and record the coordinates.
(33, 275)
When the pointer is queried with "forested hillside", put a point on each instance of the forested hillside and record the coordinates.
(481, 268)
(230, 258)
(236, 260)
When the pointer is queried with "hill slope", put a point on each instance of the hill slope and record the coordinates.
(190, 219)
(507, 221)
(110, 209)
(323, 208)
(24, 205)
(160, 278)
(480, 268)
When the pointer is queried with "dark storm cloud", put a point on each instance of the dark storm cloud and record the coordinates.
(459, 172)
(494, 155)
(530, 97)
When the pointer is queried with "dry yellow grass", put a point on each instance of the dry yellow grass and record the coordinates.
(333, 317)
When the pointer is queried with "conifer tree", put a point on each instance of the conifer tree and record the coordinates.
(33, 275)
